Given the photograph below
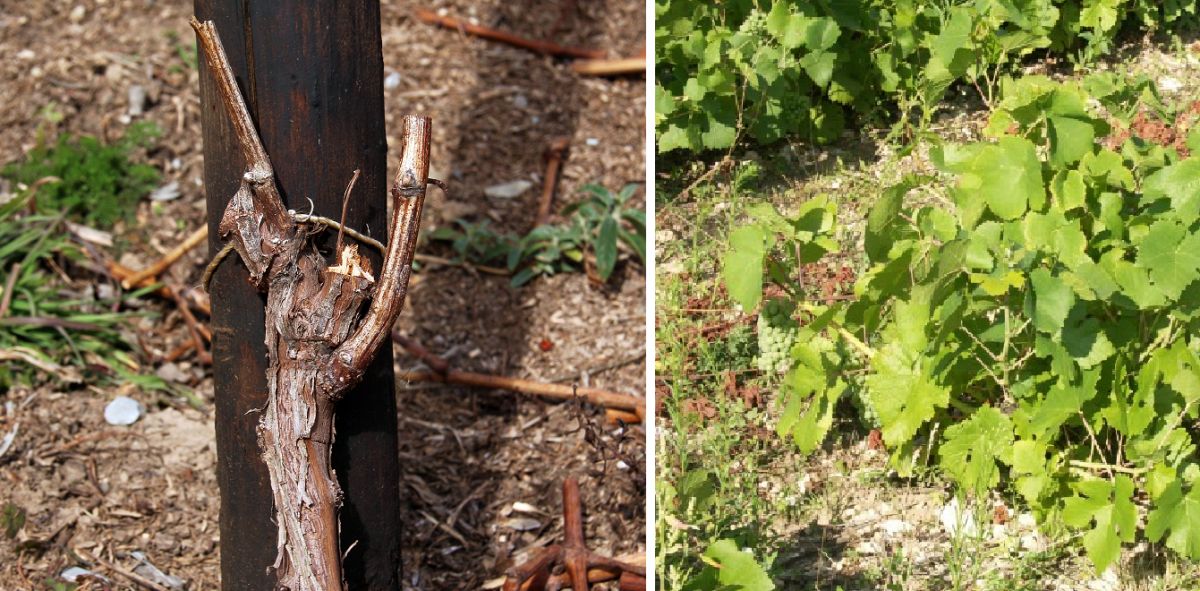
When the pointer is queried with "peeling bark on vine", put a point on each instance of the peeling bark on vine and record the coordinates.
(321, 332)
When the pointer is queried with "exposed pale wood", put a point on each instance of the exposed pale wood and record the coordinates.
(610, 67)
(557, 391)
(192, 241)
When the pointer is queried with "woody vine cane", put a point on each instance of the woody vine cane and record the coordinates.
(319, 338)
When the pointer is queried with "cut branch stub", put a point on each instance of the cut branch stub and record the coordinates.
(408, 196)
(255, 219)
(319, 341)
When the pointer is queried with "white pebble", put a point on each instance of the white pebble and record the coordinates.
(123, 410)
(508, 190)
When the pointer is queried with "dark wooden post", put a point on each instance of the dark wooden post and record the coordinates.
(312, 75)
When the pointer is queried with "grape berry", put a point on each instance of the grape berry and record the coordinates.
(776, 335)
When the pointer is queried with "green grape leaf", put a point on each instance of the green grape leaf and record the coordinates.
(1007, 175)
(1086, 342)
(718, 134)
(743, 265)
(697, 489)
(819, 66)
(1172, 256)
(1180, 183)
(1070, 139)
(1053, 300)
(904, 397)
(883, 220)
(1094, 283)
(1134, 281)
(675, 138)
(664, 102)
(1029, 463)
(1104, 169)
(910, 320)
(811, 424)
(821, 34)
(1159, 479)
(1178, 514)
(1053, 233)
(998, 282)
(970, 449)
(1110, 507)
(1129, 410)
(1062, 402)
(737, 571)
(785, 26)
(1100, 15)
(951, 48)
(1069, 190)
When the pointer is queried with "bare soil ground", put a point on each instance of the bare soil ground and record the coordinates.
(93, 490)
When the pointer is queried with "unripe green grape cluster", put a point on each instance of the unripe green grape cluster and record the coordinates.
(867, 408)
(755, 24)
(776, 336)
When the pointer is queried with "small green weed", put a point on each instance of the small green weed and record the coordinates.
(185, 51)
(476, 242)
(45, 322)
(601, 225)
(98, 184)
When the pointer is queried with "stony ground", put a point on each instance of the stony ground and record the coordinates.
(481, 470)
(841, 519)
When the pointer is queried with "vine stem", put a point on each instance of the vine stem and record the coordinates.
(318, 339)
(864, 349)
(1103, 466)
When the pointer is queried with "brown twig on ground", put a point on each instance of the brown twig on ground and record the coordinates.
(194, 298)
(582, 566)
(614, 415)
(9, 285)
(416, 349)
(49, 321)
(610, 67)
(180, 351)
(31, 206)
(128, 574)
(185, 299)
(437, 260)
(67, 374)
(544, 47)
(554, 155)
(199, 332)
(603, 367)
(594, 396)
(195, 239)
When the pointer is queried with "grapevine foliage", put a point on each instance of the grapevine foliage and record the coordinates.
(769, 69)
(1032, 321)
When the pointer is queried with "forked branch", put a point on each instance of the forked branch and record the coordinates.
(319, 338)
